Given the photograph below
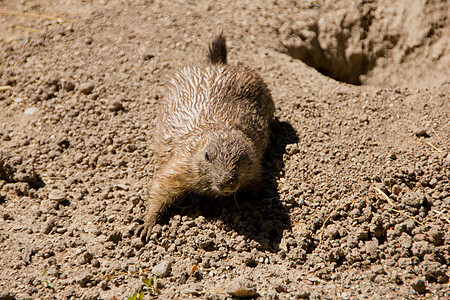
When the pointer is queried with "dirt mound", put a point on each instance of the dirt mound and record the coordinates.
(355, 197)
(401, 43)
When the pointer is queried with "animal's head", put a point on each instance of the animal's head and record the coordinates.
(223, 162)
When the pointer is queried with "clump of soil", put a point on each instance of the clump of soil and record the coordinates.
(355, 197)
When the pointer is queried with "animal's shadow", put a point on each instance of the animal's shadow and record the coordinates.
(260, 218)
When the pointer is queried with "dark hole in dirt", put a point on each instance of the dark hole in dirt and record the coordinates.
(337, 68)
(347, 43)
(64, 203)
(340, 261)
(39, 183)
(382, 239)
(261, 218)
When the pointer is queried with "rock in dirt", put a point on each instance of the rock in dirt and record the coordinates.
(48, 226)
(57, 195)
(68, 85)
(195, 289)
(86, 88)
(162, 269)
(435, 236)
(115, 237)
(421, 248)
(83, 278)
(303, 293)
(15, 169)
(395, 277)
(30, 110)
(116, 105)
(28, 253)
(241, 288)
(414, 199)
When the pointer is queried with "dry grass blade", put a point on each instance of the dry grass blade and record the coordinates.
(391, 203)
(32, 15)
(436, 134)
(441, 214)
(432, 146)
(406, 215)
(5, 87)
(29, 29)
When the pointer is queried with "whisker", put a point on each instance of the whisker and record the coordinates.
(235, 201)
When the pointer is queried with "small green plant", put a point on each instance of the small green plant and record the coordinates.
(137, 296)
(149, 288)
(150, 285)
(46, 282)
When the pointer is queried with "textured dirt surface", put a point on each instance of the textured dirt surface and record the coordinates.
(356, 195)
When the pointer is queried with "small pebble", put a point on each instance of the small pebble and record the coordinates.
(115, 237)
(83, 278)
(195, 289)
(61, 230)
(57, 195)
(162, 269)
(104, 285)
(48, 226)
(95, 263)
(302, 293)
(421, 248)
(68, 85)
(312, 278)
(116, 106)
(86, 88)
(30, 110)
(241, 288)
(395, 277)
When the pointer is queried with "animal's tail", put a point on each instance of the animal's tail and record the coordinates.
(217, 52)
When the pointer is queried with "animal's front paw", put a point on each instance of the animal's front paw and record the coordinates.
(144, 231)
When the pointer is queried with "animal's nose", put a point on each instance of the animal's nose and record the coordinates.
(228, 185)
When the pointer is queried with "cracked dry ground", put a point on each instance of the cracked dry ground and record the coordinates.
(356, 195)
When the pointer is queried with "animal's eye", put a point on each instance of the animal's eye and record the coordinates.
(243, 157)
(206, 156)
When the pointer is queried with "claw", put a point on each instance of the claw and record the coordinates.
(144, 232)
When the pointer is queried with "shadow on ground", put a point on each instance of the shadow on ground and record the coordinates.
(261, 218)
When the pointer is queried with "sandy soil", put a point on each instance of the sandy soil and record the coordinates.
(356, 194)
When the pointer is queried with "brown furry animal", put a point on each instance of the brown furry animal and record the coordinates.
(212, 129)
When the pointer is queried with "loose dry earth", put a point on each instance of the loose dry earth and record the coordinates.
(356, 196)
